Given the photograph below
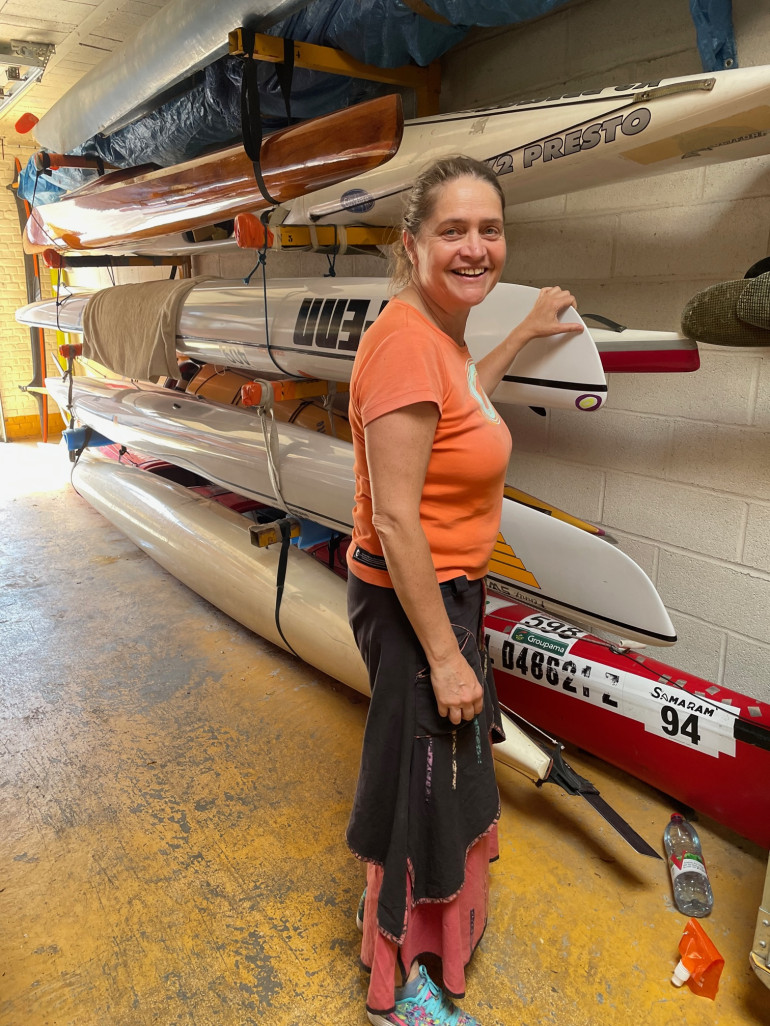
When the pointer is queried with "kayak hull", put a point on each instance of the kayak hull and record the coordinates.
(538, 558)
(628, 709)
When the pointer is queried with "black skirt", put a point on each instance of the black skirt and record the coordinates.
(426, 788)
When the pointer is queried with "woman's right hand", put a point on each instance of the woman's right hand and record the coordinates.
(457, 690)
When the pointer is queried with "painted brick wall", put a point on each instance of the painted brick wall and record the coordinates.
(677, 468)
(20, 410)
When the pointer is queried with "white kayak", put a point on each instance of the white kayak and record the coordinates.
(208, 548)
(315, 325)
(549, 146)
(538, 559)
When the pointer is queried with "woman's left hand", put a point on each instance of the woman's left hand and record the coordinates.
(543, 319)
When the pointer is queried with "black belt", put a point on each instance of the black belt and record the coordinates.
(456, 586)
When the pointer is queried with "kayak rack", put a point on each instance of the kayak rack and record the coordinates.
(252, 233)
(287, 389)
(426, 82)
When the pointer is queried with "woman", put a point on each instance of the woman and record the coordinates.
(430, 460)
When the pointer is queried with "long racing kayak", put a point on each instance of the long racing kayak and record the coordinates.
(559, 144)
(312, 327)
(538, 559)
(141, 203)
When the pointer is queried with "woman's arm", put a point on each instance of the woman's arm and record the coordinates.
(541, 321)
(398, 448)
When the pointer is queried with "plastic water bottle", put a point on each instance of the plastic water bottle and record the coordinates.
(692, 890)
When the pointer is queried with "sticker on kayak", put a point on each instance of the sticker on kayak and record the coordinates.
(507, 564)
(534, 655)
(357, 200)
(588, 402)
(547, 634)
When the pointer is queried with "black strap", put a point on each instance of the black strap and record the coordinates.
(612, 325)
(331, 258)
(251, 118)
(69, 374)
(285, 529)
(284, 72)
(262, 262)
(86, 439)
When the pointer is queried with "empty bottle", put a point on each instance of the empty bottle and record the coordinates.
(692, 890)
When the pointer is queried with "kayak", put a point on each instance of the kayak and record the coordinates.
(146, 202)
(560, 144)
(703, 745)
(538, 558)
(207, 546)
(312, 327)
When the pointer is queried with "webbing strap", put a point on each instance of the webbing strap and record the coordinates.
(251, 117)
(285, 529)
(86, 439)
(284, 72)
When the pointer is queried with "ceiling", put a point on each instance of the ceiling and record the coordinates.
(83, 32)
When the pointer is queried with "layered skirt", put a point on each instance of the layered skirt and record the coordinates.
(426, 805)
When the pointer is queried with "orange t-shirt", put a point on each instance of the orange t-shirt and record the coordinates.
(403, 359)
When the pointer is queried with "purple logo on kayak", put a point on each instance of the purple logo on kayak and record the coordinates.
(357, 200)
(588, 402)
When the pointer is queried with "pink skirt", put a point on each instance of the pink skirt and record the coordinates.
(448, 929)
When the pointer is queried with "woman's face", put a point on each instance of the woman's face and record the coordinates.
(459, 252)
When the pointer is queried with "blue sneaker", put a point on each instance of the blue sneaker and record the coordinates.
(429, 1006)
(360, 912)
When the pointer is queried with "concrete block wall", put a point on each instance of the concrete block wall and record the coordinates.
(676, 467)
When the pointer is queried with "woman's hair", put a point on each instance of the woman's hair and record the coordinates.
(422, 200)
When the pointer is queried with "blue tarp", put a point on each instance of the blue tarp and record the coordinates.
(714, 29)
(385, 33)
(389, 33)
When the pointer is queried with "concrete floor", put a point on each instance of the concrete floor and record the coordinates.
(175, 793)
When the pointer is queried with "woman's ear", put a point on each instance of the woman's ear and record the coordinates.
(411, 250)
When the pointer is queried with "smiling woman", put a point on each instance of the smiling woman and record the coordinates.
(431, 455)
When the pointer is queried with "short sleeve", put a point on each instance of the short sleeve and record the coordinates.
(406, 367)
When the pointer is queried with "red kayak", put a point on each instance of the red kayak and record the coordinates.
(705, 745)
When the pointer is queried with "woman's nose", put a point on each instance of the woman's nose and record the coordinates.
(473, 244)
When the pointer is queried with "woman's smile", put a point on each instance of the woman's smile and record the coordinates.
(459, 253)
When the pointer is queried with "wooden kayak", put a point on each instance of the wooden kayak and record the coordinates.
(127, 206)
